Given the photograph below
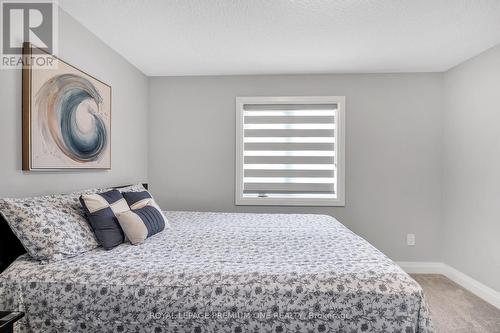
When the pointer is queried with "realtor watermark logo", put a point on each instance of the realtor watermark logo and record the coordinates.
(33, 21)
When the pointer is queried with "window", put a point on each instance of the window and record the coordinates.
(290, 151)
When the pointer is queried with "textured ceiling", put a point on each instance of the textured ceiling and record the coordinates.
(215, 37)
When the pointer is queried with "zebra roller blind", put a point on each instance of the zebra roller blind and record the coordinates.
(289, 149)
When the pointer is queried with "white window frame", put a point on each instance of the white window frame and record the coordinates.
(339, 158)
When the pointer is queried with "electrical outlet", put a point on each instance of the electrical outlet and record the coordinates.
(410, 239)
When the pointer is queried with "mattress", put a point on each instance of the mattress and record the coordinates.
(222, 272)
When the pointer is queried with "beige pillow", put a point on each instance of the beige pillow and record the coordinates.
(133, 227)
(143, 220)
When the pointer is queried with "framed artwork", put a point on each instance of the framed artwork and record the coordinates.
(66, 117)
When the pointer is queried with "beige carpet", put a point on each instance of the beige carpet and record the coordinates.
(456, 310)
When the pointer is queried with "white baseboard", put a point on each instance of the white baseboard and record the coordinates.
(481, 290)
(421, 267)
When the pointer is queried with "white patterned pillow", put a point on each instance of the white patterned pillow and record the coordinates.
(132, 188)
(50, 227)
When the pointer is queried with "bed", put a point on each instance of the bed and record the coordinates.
(222, 272)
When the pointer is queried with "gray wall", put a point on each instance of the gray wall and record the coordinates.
(129, 119)
(392, 150)
(471, 168)
(399, 178)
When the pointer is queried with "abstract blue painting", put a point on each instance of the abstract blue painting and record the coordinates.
(69, 119)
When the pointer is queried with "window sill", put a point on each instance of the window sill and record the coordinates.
(289, 202)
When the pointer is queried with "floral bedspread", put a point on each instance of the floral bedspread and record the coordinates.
(222, 272)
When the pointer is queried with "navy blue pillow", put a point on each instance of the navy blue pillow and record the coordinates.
(101, 210)
(137, 199)
(152, 219)
(144, 219)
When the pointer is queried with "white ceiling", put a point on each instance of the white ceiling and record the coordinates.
(216, 37)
